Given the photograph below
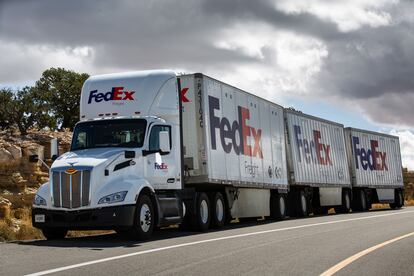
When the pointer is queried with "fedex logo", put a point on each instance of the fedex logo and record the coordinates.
(116, 94)
(369, 158)
(235, 131)
(312, 150)
(161, 166)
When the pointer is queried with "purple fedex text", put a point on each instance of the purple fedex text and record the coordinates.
(369, 158)
(116, 94)
(312, 149)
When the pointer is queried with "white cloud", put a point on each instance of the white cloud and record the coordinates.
(21, 62)
(287, 62)
(349, 15)
(407, 146)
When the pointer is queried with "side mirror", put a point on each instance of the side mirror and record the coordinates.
(164, 141)
(54, 149)
(34, 158)
(129, 154)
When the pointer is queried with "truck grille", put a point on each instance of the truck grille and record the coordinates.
(71, 190)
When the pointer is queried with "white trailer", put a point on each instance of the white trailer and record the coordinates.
(234, 141)
(156, 149)
(317, 164)
(376, 168)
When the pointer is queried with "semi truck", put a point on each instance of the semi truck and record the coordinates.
(154, 149)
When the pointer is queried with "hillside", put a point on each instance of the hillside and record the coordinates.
(19, 179)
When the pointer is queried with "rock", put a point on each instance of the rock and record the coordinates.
(5, 156)
(15, 151)
(5, 205)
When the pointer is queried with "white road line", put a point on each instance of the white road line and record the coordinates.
(59, 269)
(355, 257)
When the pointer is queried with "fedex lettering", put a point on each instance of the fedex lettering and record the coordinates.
(237, 130)
(313, 151)
(370, 159)
(161, 166)
(116, 94)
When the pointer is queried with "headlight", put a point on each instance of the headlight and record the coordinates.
(112, 198)
(39, 201)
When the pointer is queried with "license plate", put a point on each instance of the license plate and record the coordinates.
(39, 218)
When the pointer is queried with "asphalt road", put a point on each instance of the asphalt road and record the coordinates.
(295, 247)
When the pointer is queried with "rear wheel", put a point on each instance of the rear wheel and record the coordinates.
(54, 233)
(302, 206)
(346, 203)
(361, 201)
(202, 212)
(218, 211)
(398, 200)
(144, 219)
(278, 206)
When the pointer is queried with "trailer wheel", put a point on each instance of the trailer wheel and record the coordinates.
(362, 201)
(54, 233)
(278, 206)
(202, 219)
(218, 211)
(144, 219)
(302, 206)
(346, 203)
(398, 200)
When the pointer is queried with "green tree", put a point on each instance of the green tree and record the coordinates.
(30, 111)
(6, 108)
(61, 89)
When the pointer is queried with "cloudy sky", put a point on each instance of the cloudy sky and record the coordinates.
(350, 61)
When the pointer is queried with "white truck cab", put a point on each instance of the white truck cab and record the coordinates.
(124, 166)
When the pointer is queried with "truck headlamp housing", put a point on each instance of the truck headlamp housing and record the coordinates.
(39, 201)
(112, 198)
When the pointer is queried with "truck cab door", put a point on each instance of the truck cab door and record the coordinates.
(162, 168)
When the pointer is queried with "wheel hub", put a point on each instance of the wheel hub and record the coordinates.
(145, 217)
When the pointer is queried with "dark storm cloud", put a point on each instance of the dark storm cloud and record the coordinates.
(148, 33)
(371, 66)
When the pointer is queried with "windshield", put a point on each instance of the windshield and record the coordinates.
(127, 133)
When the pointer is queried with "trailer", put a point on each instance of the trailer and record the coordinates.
(317, 165)
(376, 168)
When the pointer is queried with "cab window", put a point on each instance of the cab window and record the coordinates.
(154, 136)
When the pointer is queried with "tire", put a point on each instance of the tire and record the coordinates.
(202, 213)
(54, 233)
(361, 201)
(144, 219)
(278, 206)
(398, 200)
(302, 205)
(401, 201)
(218, 211)
(346, 203)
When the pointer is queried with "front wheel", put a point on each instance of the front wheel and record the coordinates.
(54, 233)
(144, 219)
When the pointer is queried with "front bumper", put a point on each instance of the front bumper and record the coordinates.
(90, 219)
